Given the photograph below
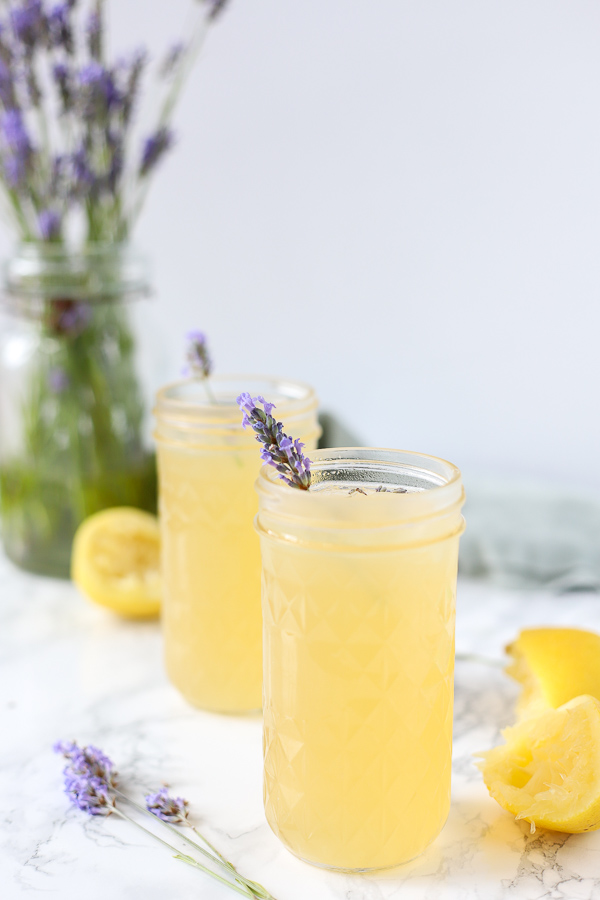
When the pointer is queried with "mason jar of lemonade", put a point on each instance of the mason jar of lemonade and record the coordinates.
(207, 466)
(359, 581)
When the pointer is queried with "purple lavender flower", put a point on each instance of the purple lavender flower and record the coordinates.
(170, 809)
(14, 172)
(59, 27)
(93, 73)
(84, 181)
(49, 224)
(66, 37)
(89, 778)
(199, 362)
(15, 134)
(99, 93)
(28, 23)
(87, 761)
(65, 748)
(90, 795)
(19, 149)
(154, 148)
(279, 449)
(216, 7)
(90, 785)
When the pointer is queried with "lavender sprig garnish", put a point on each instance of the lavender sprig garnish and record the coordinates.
(198, 362)
(90, 782)
(279, 449)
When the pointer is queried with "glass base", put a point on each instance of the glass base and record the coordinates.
(363, 871)
(360, 870)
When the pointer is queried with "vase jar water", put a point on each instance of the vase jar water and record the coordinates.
(207, 467)
(359, 579)
(75, 387)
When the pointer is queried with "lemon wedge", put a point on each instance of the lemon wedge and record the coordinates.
(554, 665)
(548, 772)
(116, 561)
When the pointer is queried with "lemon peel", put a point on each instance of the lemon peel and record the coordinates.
(554, 665)
(116, 561)
(548, 771)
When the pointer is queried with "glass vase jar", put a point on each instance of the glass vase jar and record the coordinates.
(74, 423)
(359, 580)
(207, 467)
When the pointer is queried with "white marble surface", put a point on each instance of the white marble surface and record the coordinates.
(69, 670)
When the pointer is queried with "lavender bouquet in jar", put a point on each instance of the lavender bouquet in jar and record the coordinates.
(73, 180)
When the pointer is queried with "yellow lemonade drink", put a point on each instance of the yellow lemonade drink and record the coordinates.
(207, 467)
(358, 609)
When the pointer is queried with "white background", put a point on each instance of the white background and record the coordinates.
(400, 203)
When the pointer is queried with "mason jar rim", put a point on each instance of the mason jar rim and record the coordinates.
(433, 490)
(58, 248)
(201, 409)
(38, 271)
(365, 457)
(186, 405)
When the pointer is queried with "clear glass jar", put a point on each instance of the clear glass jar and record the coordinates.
(74, 404)
(358, 610)
(207, 467)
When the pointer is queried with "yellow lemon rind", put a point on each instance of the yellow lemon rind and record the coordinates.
(129, 595)
(505, 766)
(554, 665)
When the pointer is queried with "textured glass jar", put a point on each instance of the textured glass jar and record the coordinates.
(207, 466)
(358, 610)
(74, 423)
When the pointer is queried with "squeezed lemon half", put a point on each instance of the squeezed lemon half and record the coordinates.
(548, 771)
(554, 665)
(116, 561)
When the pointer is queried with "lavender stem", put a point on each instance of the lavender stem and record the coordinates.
(253, 885)
(166, 112)
(209, 391)
(197, 865)
(196, 44)
(166, 825)
(178, 855)
(219, 859)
